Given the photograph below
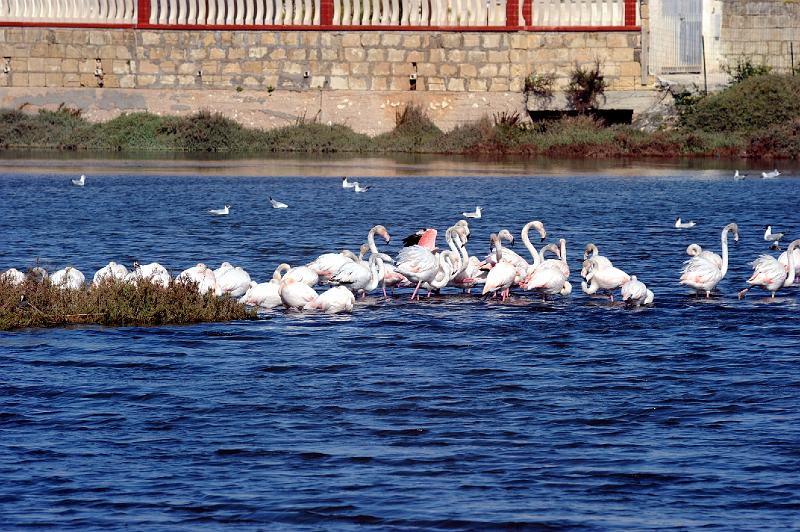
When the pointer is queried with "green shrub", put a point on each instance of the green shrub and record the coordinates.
(414, 132)
(745, 69)
(756, 103)
(585, 88)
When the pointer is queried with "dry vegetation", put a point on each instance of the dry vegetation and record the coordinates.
(113, 303)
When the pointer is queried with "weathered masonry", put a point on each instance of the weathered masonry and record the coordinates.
(270, 62)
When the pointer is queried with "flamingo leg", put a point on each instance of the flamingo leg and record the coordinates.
(384, 292)
(415, 291)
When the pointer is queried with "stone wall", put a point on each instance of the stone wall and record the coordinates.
(761, 31)
(311, 60)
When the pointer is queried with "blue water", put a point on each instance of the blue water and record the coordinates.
(451, 413)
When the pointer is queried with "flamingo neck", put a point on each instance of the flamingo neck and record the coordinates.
(527, 242)
(724, 238)
(791, 258)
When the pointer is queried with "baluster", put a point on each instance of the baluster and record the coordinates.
(258, 16)
(221, 6)
(386, 12)
(250, 12)
(406, 14)
(317, 16)
(395, 20)
(346, 12)
(376, 12)
(288, 12)
(365, 14)
(336, 18)
(356, 12)
(238, 14)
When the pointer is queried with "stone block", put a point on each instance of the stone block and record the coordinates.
(629, 69)
(36, 79)
(391, 39)
(20, 80)
(340, 69)
(148, 67)
(196, 54)
(127, 82)
(252, 67)
(436, 55)
(329, 54)
(380, 84)
(499, 85)
(468, 71)
(370, 39)
(177, 54)
(351, 40)
(216, 53)
(617, 40)
(355, 54)
(471, 40)
(376, 54)
(476, 56)
(491, 41)
(402, 69)
(359, 83)
(339, 83)
(231, 68)
(448, 70)
(309, 39)
(119, 66)
(426, 69)
(502, 56)
(72, 80)
(35, 64)
(277, 54)
(187, 81)
(52, 64)
(381, 69)
(412, 42)
(298, 54)
(330, 40)
(99, 38)
(53, 79)
(360, 69)
(455, 85)
(395, 55)
(415, 56)
(210, 68)
(518, 42)
(451, 40)
(399, 83)
(434, 84)
(150, 38)
(477, 85)
(456, 56)
(235, 53)
(487, 71)
(267, 38)
(88, 80)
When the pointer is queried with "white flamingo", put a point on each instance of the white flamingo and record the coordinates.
(203, 276)
(694, 250)
(359, 278)
(784, 260)
(328, 264)
(770, 274)
(417, 262)
(266, 295)
(335, 300)
(153, 273)
(591, 252)
(234, 282)
(68, 278)
(13, 276)
(549, 277)
(636, 293)
(294, 294)
(704, 275)
(502, 276)
(599, 278)
(111, 271)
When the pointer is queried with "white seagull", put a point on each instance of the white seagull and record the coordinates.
(221, 212)
(81, 181)
(770, 175)
(475, 214)
(738, 177)
(277, 204)
(775, 238)
(358, 188)
(683, 225)
(347, 184)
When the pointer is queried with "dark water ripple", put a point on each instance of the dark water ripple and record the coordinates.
(455, 413)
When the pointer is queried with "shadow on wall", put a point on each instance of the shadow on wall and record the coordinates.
(608, 116)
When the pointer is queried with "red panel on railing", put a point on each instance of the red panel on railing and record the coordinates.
(512, 13)
(326, 12)
(527, 12)
(630, 12)
(143, 15)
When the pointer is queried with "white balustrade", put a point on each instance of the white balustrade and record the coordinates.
(577, 12)
(77, 11)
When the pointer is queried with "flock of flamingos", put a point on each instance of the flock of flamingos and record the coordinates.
(422, 266)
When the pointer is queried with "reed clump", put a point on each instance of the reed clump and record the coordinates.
(36, 303)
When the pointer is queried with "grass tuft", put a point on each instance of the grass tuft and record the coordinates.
(112, 303)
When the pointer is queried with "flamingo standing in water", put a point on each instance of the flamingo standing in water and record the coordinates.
(694, 250)
(599, 278)
(636, 293)
(703, 274)
(295, 294)
(784, 260)
(416, 261)
(770, 274)
(266, 295)
(502, 276)
(549, 277)
(335, 300)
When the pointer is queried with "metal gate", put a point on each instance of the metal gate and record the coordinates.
(676, 28)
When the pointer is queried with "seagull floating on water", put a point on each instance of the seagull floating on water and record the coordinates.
(347, 184)
(775, 238)
(277, 204)
(220, 212)
(475, 214)
(738, 177)
(684, 225)
(81, 181)
(359, 188)
(770, 175)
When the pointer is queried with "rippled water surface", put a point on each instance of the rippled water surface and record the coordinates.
(455, 412)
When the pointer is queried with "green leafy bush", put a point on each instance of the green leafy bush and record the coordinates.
(585, 88)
